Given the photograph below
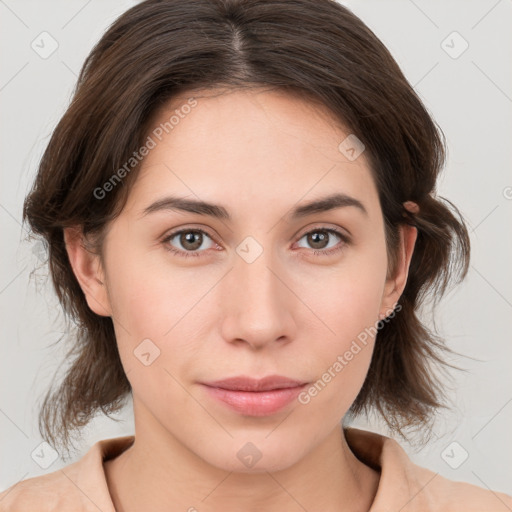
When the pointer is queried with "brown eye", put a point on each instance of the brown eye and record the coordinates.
(323, 242)
(318, 239)
(186, 242)
(191, 240)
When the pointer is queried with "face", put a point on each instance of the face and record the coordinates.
(261, 288)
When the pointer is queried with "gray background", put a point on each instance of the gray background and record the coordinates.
(469, 94)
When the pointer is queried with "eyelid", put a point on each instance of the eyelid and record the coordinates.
(345, 240)
(324, 226)
(174, 232)
(340, 232)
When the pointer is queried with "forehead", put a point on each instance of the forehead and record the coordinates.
(249, 148)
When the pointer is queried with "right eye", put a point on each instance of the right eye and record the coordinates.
(190, 240)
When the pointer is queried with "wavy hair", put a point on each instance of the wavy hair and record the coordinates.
(316, 48)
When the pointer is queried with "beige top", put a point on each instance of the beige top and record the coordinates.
(403, 486)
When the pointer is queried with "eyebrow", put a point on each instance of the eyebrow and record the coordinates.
(323, 204)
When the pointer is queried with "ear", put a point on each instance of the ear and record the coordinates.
(88, 271)
(395, 284)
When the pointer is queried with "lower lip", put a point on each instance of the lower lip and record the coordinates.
(256, 403)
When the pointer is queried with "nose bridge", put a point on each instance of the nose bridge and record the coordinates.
(257, 307)
(256, 284)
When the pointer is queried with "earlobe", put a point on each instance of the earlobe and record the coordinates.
(395, 285)
(88, 271)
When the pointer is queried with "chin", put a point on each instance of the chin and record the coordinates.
(247, 454)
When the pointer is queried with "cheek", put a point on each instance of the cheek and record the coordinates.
(347, 301)
(347, 297)
(152, 301)
(342, 359)
(148, 296)
(152, 312)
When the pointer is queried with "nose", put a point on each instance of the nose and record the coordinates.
(258, 309)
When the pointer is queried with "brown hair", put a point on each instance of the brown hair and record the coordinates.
(316, 48)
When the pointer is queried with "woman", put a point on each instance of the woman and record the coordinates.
(240, 212)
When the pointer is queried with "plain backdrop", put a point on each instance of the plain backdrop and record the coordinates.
(456, 54)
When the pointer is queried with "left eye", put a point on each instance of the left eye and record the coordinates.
(320, 238)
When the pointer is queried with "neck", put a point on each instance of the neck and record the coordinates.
(159, 473)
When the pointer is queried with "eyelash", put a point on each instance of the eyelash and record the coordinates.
(325, 252)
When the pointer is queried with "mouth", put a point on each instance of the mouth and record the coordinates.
(255, 397)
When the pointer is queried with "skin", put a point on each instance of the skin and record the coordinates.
(258, 153)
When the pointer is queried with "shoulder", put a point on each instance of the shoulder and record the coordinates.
(48, 492)
(445, 495)
(408, 487)
(78, 487)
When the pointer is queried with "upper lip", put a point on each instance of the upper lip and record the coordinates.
(243, 383)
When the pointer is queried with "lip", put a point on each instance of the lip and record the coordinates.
(243, 383)
(255, 397)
